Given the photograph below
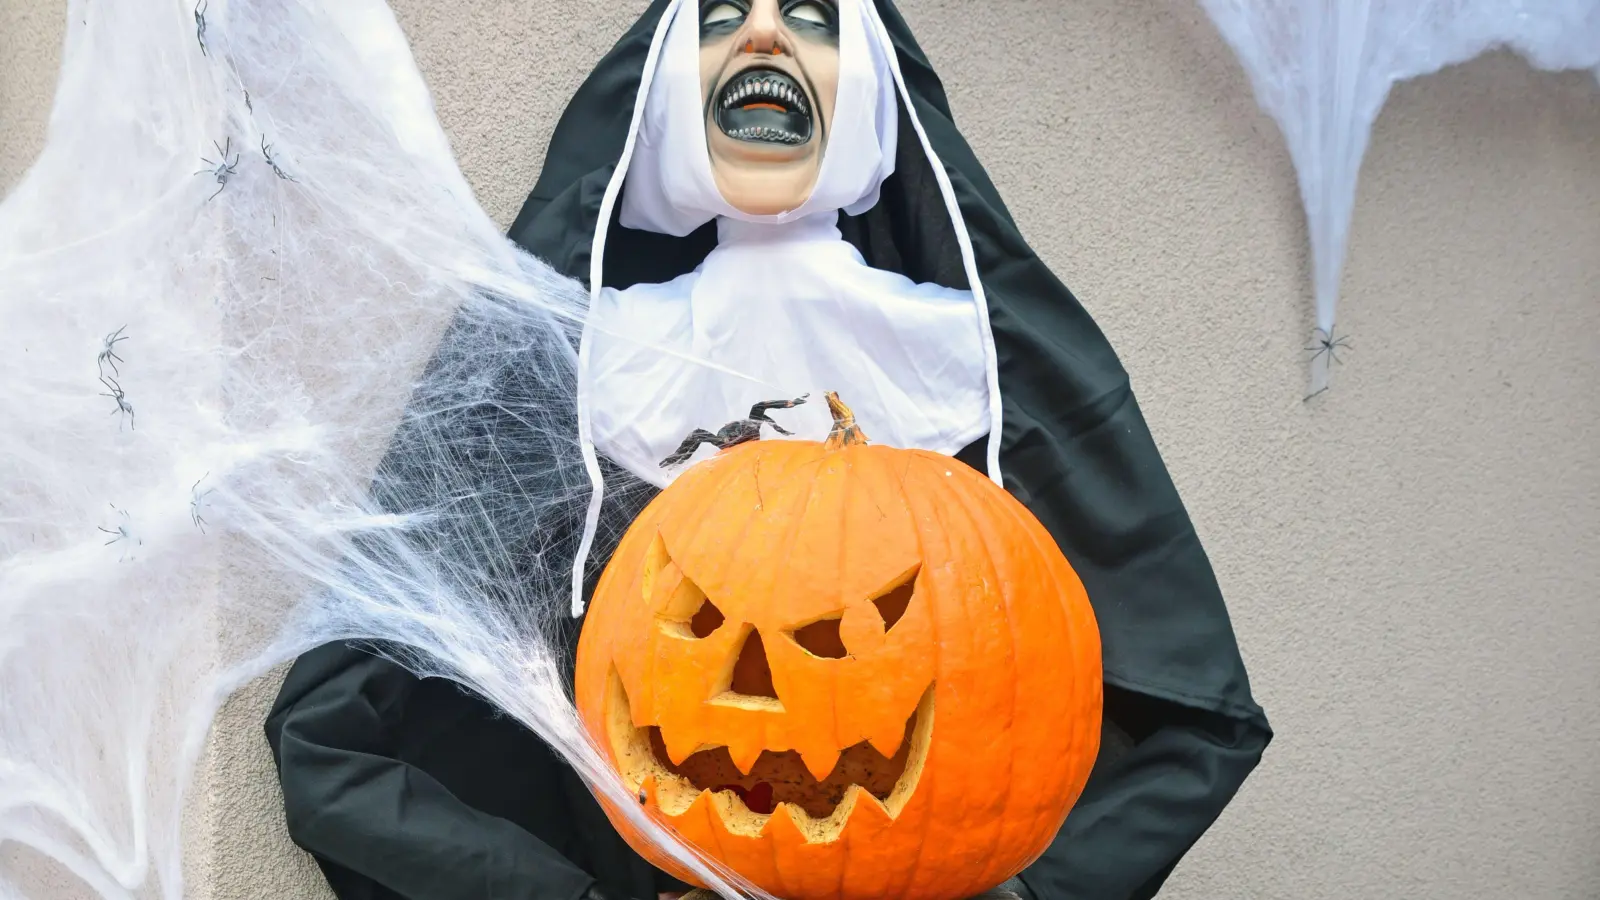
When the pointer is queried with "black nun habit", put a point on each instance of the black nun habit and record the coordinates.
(413, 788)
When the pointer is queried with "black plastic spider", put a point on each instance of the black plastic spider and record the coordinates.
(115, 392)
(108, 350)
(735, 432)
(200, 26)
(1327, 343)
(222, 169)
(266, 150)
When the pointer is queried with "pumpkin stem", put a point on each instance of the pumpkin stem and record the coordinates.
(845, 433)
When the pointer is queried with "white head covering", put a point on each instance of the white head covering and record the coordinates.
(670, 188)
(783, 306)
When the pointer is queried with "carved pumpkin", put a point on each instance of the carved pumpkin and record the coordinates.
(846, 671)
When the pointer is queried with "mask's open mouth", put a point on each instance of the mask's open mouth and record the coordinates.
(764, 106)
(778, 780)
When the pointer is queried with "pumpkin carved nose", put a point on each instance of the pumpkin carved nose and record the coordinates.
(752, 677)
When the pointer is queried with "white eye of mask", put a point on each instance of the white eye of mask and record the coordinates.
(721, 12)
(808, 12)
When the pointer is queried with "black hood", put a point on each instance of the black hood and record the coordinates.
(404, 785)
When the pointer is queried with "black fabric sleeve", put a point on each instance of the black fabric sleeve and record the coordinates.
(1148, 803)
(379, 827)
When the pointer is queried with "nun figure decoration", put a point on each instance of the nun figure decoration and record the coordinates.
(769, 199)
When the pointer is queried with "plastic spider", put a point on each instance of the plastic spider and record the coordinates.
(108, 350)
(266, 150)
(123, 533)
(195, 497)
(222, 169)
(115, 392)
(1327, 343)
(735, 432)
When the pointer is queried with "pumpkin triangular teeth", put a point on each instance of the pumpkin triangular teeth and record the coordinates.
(783, 819)
(888, 740)
(820, 760)
(705, 808)
(867, 813)
(727, 808)
(680, 744)
(744, 755)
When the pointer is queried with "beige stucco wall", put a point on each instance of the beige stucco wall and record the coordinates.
(1412, 560)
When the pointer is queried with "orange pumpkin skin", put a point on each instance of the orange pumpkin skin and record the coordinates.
(986, 688)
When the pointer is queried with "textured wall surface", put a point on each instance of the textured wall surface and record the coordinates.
(1412, 559)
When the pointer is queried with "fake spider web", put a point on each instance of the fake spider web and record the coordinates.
(243, 251)
(1323, 69)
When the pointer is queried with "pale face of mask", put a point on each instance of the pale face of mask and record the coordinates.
(769, 74)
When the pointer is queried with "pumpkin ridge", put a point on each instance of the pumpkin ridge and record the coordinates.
(926, 783)
(715, 826)
(871, 464)
(1079, 638)
(958, 502)
(803, 500)
(1027, 529)
(844, 862)
(711, 494)
(840, 546)
(772, 847)
(706, 496)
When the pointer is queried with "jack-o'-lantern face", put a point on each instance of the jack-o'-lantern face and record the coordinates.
(754, 706)
(816, 661)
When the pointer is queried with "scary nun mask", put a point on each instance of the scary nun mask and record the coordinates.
(768, 199)
(768, 118)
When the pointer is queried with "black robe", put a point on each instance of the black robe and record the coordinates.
(413, 788)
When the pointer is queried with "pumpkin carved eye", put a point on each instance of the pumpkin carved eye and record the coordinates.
(892, 603)
(706, 619)
(687, 613)
(821, 638)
